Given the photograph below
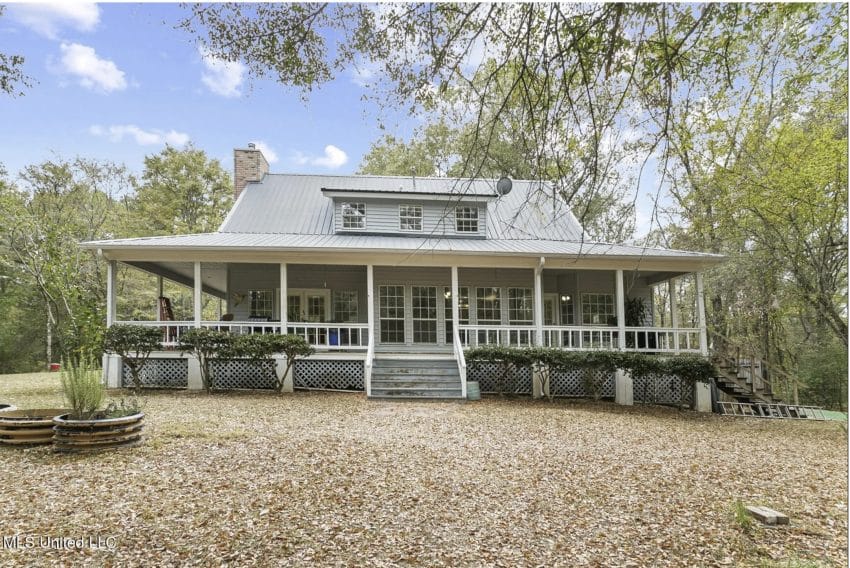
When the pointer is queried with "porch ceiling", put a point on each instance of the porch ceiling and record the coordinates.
(213, 274)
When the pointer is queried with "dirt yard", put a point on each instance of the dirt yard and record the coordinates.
(334, 479)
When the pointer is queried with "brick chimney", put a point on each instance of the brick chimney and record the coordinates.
(249, 165)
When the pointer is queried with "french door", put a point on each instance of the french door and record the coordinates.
(408, 314)
(391, 313)
(424, 303)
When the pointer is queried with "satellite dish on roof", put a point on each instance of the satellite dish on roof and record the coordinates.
(504, 185)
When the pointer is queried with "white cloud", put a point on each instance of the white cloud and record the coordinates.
(117, 132)
(268, 152)
(333, 158)
(222, 77)
(47, 19)
(91, 71)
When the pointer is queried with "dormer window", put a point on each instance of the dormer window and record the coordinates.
(353, 215)
(410, 217)
(466, 219)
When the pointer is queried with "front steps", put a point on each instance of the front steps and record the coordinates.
(399, 376)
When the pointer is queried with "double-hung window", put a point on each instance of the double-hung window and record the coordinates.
(466, 219)
(353, 215)
(262, 303)
(597, 309)
(410, 217)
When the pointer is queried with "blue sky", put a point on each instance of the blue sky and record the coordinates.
(117, 81)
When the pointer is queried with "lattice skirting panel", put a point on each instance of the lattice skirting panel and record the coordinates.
(243, 374)
(330, 374)
(662, 389)
(167, 373)
(487, 375)
(581, 383)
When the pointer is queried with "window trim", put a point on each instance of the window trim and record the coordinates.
(420, 218)
(337, 300)
(459, 219)
(268, 300)
(356, 205)
(585, 314)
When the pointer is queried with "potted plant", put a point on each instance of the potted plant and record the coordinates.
(88, 427)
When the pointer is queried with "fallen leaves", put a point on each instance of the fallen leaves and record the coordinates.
(334, 479)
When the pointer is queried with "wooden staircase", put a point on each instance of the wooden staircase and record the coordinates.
(742, 382)
(403, 376)
(745, 375)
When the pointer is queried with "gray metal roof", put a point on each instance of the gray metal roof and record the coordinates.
(294, 204)
(290, 242)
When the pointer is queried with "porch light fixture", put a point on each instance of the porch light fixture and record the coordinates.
(447, 295)
(565, 298)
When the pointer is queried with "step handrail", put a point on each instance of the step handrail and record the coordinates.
(461, 360)
(753, 354)
(367, 364)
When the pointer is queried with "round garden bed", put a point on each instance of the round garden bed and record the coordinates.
(86, 436)
(28, 427)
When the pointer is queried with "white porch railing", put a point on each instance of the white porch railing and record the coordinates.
(323, 336)
(332, 335)
(644, 339)
(663, 339)
(576, 337)
(508, 335)
(171, 330)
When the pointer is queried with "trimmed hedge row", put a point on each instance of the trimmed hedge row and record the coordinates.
(689, 368)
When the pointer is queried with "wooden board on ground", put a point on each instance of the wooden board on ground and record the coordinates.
(767, 516)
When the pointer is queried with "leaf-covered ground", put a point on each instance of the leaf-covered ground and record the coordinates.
(334, 479)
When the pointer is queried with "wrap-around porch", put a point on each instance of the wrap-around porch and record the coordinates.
(356, 311)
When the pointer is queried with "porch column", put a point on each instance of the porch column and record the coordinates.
(370, 319)
(674, 312)
(197, 295)
(160, 293)
(621, 312)
(702, 392)
(455, 302)
(111, 270)
(284, 298)
(538, 302)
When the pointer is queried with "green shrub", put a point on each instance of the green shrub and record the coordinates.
(293, 347)
(596, 364)
(82, 386)
(206, 344)
(133, 343)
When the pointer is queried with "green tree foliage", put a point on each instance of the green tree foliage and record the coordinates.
(60, 204)
(13, 80)
(182, 191)
(824, 369)
(54, 292)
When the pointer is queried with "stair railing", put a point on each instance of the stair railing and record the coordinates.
(461, 360)
(367, 364)
(770, 377)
